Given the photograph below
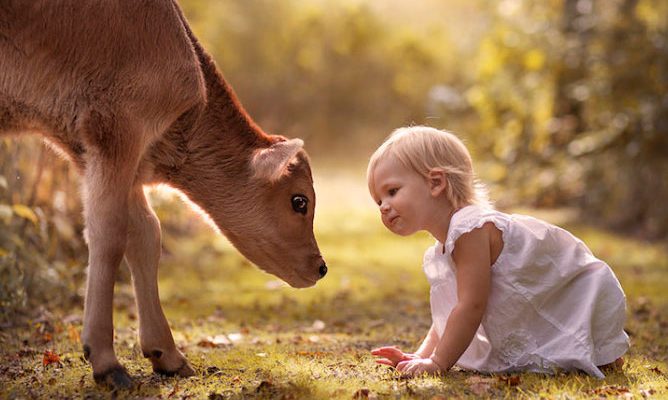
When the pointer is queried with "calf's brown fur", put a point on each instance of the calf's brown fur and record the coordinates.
(124, 89)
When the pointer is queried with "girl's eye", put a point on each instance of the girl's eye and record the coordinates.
(392, 191)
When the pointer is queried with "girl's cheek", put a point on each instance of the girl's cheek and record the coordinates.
(385, 222)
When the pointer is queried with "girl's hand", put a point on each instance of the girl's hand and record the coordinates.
(392, 355)
(419, 366)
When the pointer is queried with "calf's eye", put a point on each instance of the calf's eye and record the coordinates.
(300, 203)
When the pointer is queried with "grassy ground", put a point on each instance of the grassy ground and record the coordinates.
(248, 336)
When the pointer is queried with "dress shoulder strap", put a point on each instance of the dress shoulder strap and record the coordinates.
(469, 218)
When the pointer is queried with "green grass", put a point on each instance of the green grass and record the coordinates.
(374, 294)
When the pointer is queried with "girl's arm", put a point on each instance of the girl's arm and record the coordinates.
(473, 260)
(428, 344)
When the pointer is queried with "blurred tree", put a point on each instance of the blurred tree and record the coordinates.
(335, 73)
(626, 145)
(575, 96)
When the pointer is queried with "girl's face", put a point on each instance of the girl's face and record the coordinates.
(404, 197)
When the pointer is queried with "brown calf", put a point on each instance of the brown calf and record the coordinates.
(124, 89)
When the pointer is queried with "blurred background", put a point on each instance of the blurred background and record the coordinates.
(563, 104)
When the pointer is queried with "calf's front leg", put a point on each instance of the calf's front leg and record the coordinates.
(143, 255)
(106, 213)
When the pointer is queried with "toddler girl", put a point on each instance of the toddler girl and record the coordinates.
(508, 292)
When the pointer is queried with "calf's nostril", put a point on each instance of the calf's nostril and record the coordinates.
(323, 270)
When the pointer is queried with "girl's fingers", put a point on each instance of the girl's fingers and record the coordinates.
(395, 353)
(388, 348)
(418, 370)
(384, 347)
(408, 371)
(402, 365)
(388, 352)
(385, 361)
(392, 355)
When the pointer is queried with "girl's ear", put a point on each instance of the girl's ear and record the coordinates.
(438, 181)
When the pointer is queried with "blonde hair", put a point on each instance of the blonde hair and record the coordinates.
(422, 148)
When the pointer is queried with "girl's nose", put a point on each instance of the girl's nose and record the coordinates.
(384, 208)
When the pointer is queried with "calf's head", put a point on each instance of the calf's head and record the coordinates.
(273, 224)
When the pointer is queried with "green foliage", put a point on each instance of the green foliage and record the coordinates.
(42, 254)
(572, 100)
(335, 73)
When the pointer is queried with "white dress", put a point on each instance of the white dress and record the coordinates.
(552, 304)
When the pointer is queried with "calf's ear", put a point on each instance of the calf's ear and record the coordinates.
(270, 163)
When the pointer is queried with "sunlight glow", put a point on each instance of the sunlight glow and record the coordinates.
(163, 193)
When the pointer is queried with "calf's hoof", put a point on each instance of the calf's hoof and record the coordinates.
(184, 371)
(114, 378)
(170, 363)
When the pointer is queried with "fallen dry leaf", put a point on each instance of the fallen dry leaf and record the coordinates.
(656, 370)
(257, 340)
(315, 354)
(610, 390)
(480, 386)
(174, 390)
(235, 337)
(50, 357)
(26, 351)
(206, 343)
(317, 326)
(58, 327)
(510, 380)
(212, 370)
(297, 339)
(215, 341)
(72, 319)
(264, 385)
(364, 393)
(46, 337)
(73, 334)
